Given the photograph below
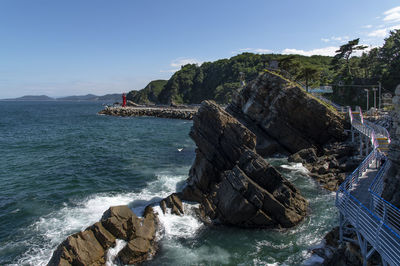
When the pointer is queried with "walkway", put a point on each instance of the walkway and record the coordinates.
(360, 190)
(363, 211)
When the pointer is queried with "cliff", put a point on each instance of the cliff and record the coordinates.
(284, 117)
(232, 182)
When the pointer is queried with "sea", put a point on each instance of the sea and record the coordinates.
(62, 165)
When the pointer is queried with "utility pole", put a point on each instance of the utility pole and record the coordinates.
(367, 90)
(375, 89)
(380, 97)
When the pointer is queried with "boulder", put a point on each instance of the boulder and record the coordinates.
(89, 247)
(172, 202)
(284, 117)
(237, 186)
(304, 156)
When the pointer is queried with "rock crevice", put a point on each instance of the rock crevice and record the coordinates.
(284, 117)
(89, 247)
(233, 184)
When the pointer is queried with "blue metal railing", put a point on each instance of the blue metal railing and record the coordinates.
(380, 223)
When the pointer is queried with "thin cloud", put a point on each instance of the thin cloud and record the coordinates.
(367, 26)
(181, 61)
(383, 32)
(328, 51)
(340, 39)
(184, 61)
(253, 50)
(392, 15)
(378, 33)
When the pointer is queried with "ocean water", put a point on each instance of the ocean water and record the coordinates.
(62, 166)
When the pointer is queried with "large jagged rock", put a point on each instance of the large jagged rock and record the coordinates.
(89, 246)
(391, 190)
(172, 202)
(232, 182)
(284, 117)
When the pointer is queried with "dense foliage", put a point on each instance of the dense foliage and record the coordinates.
(219, 80)
(357, 73)
(149, 94)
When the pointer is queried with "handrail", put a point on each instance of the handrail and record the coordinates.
(380, 223)
(351, 116)
(379, 129)
(388, 212)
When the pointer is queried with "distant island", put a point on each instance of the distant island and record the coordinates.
(115, 97)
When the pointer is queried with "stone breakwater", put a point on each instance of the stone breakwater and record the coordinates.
(162, 112)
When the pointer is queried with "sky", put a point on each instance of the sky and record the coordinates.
(76, 47)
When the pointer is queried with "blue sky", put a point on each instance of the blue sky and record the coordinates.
(72, 47)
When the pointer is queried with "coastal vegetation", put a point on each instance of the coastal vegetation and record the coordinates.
(346, 72)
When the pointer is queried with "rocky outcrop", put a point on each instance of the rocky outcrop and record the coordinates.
(233, 184)
(332, 253)
(331, 166)
(161, 112)
(284, 117)
(89, 246)
(172, 202)
(391, 190)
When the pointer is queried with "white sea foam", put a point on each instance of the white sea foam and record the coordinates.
(52, 229)
(174, 226)
(113, 252)
(296, 167)
(313, 260)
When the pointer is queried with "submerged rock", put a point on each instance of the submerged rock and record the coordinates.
(234, 184)
(284, 117)
(89, 247)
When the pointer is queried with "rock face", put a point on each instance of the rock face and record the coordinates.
(174, 203)
(284, 117)
(332, 166)
(232, 182)
(89, 246)
(392, 180)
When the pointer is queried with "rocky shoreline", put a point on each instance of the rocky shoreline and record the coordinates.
(185, 113)
(229, 178)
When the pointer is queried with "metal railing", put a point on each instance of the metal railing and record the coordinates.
(383, 239)
(380, 223)
(379, 130)
(389, 213)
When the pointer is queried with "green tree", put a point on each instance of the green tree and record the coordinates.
(390, 60)
(345, 52)
(309, 73)
(290, 64)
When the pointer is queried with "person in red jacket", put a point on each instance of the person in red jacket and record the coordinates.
(123, 100)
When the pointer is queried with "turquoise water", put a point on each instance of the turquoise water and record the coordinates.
(62, 166)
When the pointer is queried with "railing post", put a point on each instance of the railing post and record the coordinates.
(384, 213)
(341, 228)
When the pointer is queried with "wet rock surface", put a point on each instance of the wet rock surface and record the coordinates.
(89, 247)
(332, 165)
(233, 184)
(174, 203)
(284, 117)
